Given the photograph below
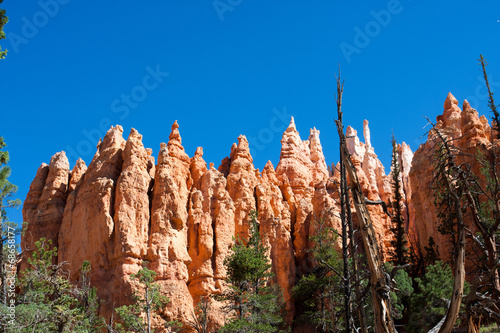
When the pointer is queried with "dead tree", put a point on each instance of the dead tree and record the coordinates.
(480, 198)
(451, 185)
(348, 244)
(483, 197)
(379, 281)
(343, 216)
(491, 101)
(355, 266)
(468, 193)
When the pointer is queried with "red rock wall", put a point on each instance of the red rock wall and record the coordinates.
(182, 217)
(470, 134)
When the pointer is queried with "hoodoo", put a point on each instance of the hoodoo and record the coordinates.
(182, 217)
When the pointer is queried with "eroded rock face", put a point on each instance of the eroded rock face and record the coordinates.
(88, 226)
(276, 229)
(295, 173)
(241, 182)
(211, 230)
(132, 201)
(167, 248)
(469, 133)
(44, 205)
(376, 185)
(182, 218)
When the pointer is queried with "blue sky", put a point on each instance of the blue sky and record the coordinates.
(229, 67)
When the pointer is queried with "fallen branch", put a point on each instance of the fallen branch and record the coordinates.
(379, 202)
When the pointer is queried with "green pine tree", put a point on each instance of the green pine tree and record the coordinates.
(8, 229)
(429, 302)
(253, 301)
(431, 252)
(321, 291)
(399, 252)
(88, 303)
(400, 293)
(3, 21)
(48, 301)
(138, 317)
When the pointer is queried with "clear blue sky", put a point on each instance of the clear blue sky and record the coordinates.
(230, 67)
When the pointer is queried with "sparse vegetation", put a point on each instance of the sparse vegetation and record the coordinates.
(399, 252)
(339, 293)
(48, 301)
(254, 302)
(146, 303)
(3, 21)
(321, 291)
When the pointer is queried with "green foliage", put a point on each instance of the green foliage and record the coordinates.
(431, 252)
(48, 302)
(446, 213)
(321, 291)
(429, 303)
(7, 192)
(493, 328)
(253, 301)
(399, 253)
(449, 186)
(147, 302)
(3, 21)
(45, 303)
(490, 180)
(89, 320)
(245, 325)
(8, 229)
(402, 290)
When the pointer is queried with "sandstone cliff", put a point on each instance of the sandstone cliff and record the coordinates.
(470, 134)
(182, 217)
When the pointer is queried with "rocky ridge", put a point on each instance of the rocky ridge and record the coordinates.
(181, 217)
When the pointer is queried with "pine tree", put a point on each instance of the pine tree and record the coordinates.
(399, 253)
(379, 285)
(88, 302)
(429, 302)
(8, 229)
(322, 290)
(431, 252)
(253, 301)
(400, 294)
(3, 21)
(147, 302)
(482, 195)
(48, 301)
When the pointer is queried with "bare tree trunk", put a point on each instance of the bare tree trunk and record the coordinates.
(448, 164)
(459, 279)
(473, 325)
(344, 197)
(355, 269)
(345, 249)
(378, 281)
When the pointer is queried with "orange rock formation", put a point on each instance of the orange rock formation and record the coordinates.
(469, 133)
(182, 217)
